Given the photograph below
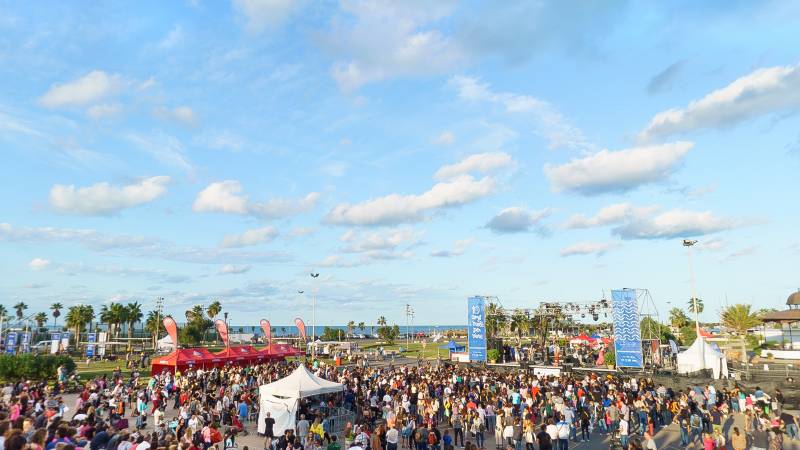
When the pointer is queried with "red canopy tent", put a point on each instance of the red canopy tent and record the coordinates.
(278, 351)
(183, 359)
(585, 337)
(242, 355)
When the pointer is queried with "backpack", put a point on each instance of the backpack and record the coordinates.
(431, 438)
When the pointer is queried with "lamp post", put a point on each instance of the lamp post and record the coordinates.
(159, 311)
(688, 244)
(314, 277)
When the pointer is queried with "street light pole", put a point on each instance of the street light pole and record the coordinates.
(688, 244)
(314, 276)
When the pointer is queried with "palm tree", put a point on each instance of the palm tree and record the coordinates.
(119, 314)
(55, 309)
(740, 318)
(107, 317)
(20, 307)
(134, 315)
(382, 321)
(40, 319)
(695, 303)
(214, 309)
(195, 314)
(152, 325)
(361, 326)
(3, 313)
(520, 322)
(677, 318)
(77, 317)
(495, 319)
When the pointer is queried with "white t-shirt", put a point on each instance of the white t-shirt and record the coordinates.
(392, 436)
(623, 427)
(552, 430)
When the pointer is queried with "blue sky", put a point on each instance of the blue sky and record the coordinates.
(410, 152)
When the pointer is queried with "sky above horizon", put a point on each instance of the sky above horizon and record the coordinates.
(415, 152)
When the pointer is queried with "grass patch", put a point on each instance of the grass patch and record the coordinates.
(415, 349)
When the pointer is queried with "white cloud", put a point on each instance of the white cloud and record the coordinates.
(517, 220)
(385, 39)
(459, 247)
(335, 168)
(104, 199)
(302, 231)
(673, 224)
(617, 171)
(220, 140)
(445, 138)
(374, 241)
(608, 215)
(173, 38)
(226, 197)
(234, 269)
(481, 162)
(181, 114)
(90, 88)
(587, 248)
(39, 264)
(712, 245)
(548, 121)
(260, 15)
(104, 110)
(164, 148)
(91, 239)
(396, 208)
(250, 237)
(760, 92)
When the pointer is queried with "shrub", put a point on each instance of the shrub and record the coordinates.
(493, 354)
(30, 367)
(610, 357)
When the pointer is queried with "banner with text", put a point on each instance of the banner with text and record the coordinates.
(25, 342)
(627, 333)
(11, 343)
(55, 342)
(91, 338)
(476, 321)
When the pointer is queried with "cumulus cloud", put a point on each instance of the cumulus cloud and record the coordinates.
(384, 39)
(360, 242)
(396, 208)
(459, 247)
(234, 269)
(260, 15)
(617, 171)
(517, 220)
(226, 197)
(587, 248)
(181, 114)
(88, 89)
(480, 162)
(250, 237)
(673, 224)
(445, 138)
(39, 263)
(763, 91)
(104, 199)
(547, 120)
(608, 215)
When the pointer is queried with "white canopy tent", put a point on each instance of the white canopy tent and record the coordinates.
(165, 344)
(701, 356)
(280, 398)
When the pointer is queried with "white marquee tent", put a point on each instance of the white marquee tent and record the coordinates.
(701, 356)
(280, 398)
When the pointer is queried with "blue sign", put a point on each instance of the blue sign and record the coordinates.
(11, 342)
(627, 332)
(91, 338)
(25, 341)
(476, 320)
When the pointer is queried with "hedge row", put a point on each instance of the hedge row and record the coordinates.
(30, 367)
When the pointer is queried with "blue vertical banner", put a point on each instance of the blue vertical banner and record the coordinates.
(627, 332)
(55, 342)
(11, 342)
(91, 338)
(25, 342)
(476, 320)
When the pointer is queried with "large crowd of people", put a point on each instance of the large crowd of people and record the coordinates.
(419, 407)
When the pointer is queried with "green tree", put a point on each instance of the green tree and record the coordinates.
(20, 307)
(495, 319)
(196, 325)
(388, 333)
(740, 318)
(350, 326)
(77, 318)
(677, 318)
(361, 326)
(520, 323)
(40, 319)
(152, 325)
(134, 315)
(3, 313)
(214, 309)
(688, 334)
(653, 330)
(330, 334)
(696, 303)
(55, 311)
(382, 321)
